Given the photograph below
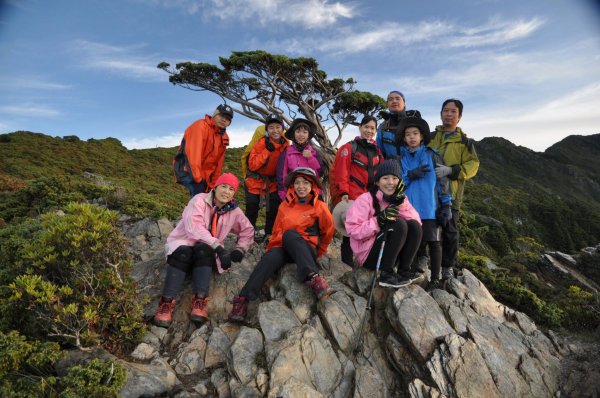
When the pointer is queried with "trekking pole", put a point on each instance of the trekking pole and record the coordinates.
(358, 346)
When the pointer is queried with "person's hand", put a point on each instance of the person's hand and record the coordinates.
(345, 197)
(269, 144)
(224, 256)
(445, 216)
(389, 214)
(237, 255)
(442, 171)
(418, 172)
(307, 153)
(398, 196)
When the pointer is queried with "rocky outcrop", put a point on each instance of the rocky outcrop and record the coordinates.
(455, 342)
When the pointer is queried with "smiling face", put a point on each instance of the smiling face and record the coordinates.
(275, 130)
(222, 121)
(413, 137)
(450, 116)
(368, 130)
(387, 184)
(301, 135)
(302, 186)
(223, 194)
(395, 102)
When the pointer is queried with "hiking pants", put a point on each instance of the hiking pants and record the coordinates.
(202, 265)
(295, 249)
(346, 251)
(253, 207)
(401, 245)
(450, 241)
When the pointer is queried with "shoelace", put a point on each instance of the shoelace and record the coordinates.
(199, 302)
(165, 308)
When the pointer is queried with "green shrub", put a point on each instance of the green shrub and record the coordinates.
(71, 280)
(95, 379)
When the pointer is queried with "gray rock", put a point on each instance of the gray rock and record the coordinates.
(295, 389)
(144, 352)
(418, 389)
(244, 350)
(219, 345)
(276, 319)
(190, 359)
(342, 315)
(369, 384)
(219, 379)
(148, 379)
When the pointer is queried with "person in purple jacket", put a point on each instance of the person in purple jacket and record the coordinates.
(196, 245)
(299, 154)
(384, 213)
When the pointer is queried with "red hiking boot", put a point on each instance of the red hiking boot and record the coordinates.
(164, 312)
(240, 306)
(320, 287)
(199, 311)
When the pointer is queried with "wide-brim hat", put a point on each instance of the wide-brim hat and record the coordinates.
(304, 172)
(312, 129)
(339, 216)
(413, 121)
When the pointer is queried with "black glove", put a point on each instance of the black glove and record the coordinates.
(269, 144)
(389, 214)
(237, 255)
(418, 172)
(398, 195)
(224, 257)
(445, 215)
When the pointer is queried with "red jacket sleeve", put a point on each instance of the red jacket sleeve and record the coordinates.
(343, 161)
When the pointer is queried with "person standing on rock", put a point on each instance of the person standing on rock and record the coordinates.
(354, 172)
(384, 214)
(197, 245)
(461, 164)
(302, 232)
(262, 164)
(429, 194)
(199, 159)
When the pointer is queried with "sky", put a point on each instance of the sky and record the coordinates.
(526, 70)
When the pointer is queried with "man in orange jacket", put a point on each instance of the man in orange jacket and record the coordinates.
(199, 160)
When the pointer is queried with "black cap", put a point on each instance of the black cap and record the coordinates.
(273, 118)
(417, 122)
(225, 109)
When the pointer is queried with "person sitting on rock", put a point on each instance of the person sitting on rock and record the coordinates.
(302, 232)
(196, 245)
(385, 214)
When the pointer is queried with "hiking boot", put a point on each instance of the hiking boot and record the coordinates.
(164, 312)
(422, 264)
(391, 279)
(447, 273)
(199, 311)
(320, 287)
(240, 306)
(435, 284)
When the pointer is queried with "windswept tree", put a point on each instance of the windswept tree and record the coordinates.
(262, 83)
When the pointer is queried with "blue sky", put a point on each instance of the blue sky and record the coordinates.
(526, 70)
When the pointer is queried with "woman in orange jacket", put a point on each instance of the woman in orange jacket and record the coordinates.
(262, 166)
(302, 232)
(199, 161)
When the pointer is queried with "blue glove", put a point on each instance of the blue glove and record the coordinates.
(445, 216)
(418, 172)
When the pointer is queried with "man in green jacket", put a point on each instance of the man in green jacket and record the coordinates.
(461, 164)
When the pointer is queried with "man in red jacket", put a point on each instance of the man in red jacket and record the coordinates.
(199, 160)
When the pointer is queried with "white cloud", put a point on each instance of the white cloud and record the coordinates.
(29, 110)
(30, 82)
(493, 32)
(540, 126)
(309, 13)
(118, 60)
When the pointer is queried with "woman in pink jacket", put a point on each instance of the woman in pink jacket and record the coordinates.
(384, 213)
(299, 154)
(196, 245)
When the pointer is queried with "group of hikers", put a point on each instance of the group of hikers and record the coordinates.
(396, 191)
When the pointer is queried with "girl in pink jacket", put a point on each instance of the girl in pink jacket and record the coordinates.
(196, 245)
(384, 213)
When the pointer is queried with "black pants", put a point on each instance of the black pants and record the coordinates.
(295, 249)
(202, 269)
(435, 257)
(401, 245)
(450, 241)
(346, 251)
(253, 207)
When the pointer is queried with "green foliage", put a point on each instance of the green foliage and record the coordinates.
(95, 379)
(66, 273)
(582, 309)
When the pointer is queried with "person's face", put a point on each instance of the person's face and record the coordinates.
(387, 184)
(413, 137)
(222, 121)
(275, 130)
(368, 130)
(223, 194)
(450, 116)
(301, 135)
(395, 102)
(302, 187)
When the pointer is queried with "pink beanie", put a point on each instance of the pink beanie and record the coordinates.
(228, 179)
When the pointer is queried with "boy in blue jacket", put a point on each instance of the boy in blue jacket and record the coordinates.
(430, 195)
